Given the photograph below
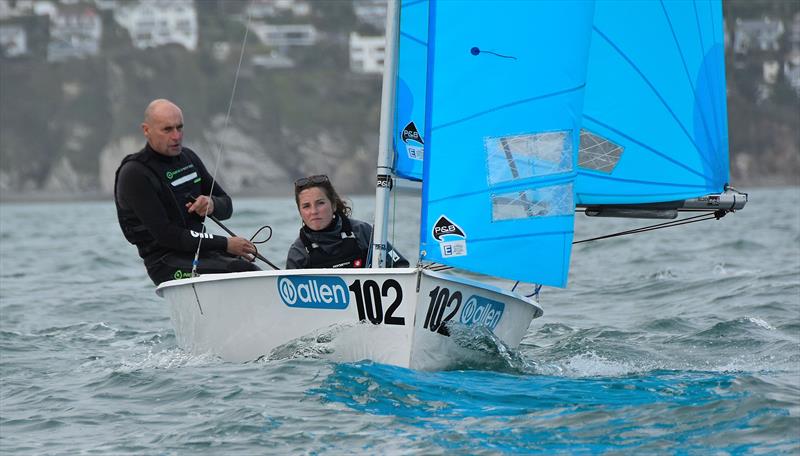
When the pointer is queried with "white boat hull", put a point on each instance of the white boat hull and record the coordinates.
(406, 314)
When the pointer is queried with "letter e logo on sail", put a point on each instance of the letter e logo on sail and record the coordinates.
(452, 239)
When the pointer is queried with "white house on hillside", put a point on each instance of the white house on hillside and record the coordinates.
(367, 53)
(261, 9)
(372, 12)
(17, 8)
(75, 32)
(761, 34)
(285, 35)
(158, 22)
(13, 41)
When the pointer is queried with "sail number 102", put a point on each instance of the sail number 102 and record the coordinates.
(369, 301)
(441, 301)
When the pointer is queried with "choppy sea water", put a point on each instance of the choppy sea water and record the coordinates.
(678, 341)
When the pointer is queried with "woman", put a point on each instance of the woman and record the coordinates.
(329, 238)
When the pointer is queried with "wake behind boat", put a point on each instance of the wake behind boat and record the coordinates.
(512, 115)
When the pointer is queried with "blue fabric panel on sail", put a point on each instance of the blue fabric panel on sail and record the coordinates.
(655, 118)
(409, 118)
(504, 102)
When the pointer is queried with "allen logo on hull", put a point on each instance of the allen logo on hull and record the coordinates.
(314, 292)
(480, 311)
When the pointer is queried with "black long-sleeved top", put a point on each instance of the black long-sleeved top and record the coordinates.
(151, 191)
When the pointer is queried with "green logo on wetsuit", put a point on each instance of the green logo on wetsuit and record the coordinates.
(182, 275)
(171, 174)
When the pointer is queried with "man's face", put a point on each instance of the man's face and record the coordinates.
(164, 130)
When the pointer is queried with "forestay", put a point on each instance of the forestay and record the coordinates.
(654, 118)
(503, 111)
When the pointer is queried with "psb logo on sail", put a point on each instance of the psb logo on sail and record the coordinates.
(314, 292)
(479, 311)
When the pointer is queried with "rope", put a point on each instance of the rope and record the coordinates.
(698, 218)
(394, 215)
(718, 214)
(222, 142)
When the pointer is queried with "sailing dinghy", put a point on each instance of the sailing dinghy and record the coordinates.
(513, 115)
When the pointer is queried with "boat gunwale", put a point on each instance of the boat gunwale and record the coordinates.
(345, 272)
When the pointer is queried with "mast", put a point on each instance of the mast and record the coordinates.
(385, 152)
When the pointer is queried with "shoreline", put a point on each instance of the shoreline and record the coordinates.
(40, 196)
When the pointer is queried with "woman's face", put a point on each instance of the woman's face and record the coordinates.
(315, 208)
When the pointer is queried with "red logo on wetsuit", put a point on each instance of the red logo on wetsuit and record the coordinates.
(357, 263)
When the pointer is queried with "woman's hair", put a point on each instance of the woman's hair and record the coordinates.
(321, 181)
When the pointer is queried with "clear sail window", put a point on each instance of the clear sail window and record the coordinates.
(522, 156)
(598, 153)
(549, 201)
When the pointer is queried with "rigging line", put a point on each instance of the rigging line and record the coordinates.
(222, 139)
(394, 216)
(697, 218)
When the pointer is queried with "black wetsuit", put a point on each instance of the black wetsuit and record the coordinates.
(151, 191)
(345, 243)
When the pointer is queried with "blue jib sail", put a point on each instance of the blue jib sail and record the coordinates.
(503, 111)
(409, 119)
(654, 116)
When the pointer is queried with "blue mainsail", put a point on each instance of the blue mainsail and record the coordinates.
(504, 95)
(654, 115)
(409, 120)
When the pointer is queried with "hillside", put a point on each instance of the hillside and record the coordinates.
(65, 126)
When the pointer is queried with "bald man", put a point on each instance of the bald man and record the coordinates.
(163, 192)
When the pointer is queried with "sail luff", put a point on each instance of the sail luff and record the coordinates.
(504, 101)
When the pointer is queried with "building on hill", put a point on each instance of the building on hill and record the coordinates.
(262, 9)
(372, 12)
(75, 32)
(285, 35)
(13, 41)
(24, 37)
(759, 34)
(154, 23)
(367, 53)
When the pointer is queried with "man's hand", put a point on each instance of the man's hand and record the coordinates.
(242, 247)
(200, 205)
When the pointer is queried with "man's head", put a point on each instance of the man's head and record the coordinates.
(163, 127)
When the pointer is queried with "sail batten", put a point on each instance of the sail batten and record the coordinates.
(413, 38)
(664, 184)
(645, 147)
(675, 39)
(656, 91)
(508, 105)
